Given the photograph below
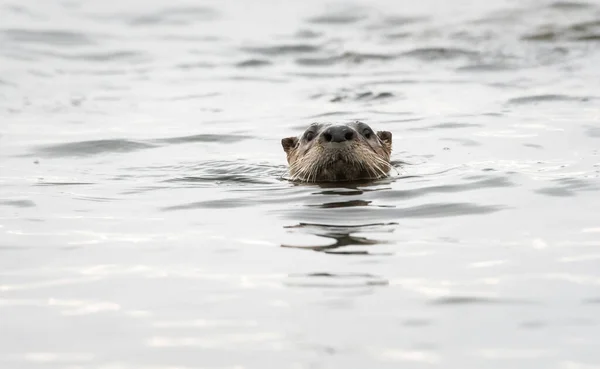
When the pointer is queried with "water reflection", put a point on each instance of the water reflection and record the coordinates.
(342, 204)
(342, 236)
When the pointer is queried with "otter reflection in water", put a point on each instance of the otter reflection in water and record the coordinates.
(348, 152)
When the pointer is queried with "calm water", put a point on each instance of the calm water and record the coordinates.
(145, 223)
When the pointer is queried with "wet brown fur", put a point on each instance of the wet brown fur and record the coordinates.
(319, 161)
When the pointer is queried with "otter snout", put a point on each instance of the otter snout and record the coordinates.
(338, 134)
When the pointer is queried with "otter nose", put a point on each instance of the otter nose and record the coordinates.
(338, 134)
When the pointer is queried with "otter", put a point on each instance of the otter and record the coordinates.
(338, 152)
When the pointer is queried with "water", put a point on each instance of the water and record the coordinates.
(145, 221)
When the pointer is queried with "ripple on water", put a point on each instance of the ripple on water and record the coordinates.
(196, 65)
(18, 203)
(213, 204)
(450, 125)
(253, 63)
(330, 280)
(175, 16)
(64, 183)
(339, 18)
(48, 37)
(567, 187)
(131, 56)
(342, 237)
(95, 147)
(581, 31)
(394, 21)
(235, 174)
(470, 300)
(341, 204)
(354, 212)
(285, 49)
(90, 148)
(536, 99)
(206, 137)
(307, 34)
(486, 67)
(476, 183)
(358, 96)
(440, 53)
(345, 57)
(442, 210)
(570, 5)
(323, 115)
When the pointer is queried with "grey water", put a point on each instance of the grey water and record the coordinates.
(146, 220)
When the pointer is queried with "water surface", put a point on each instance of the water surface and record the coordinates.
(145, 219)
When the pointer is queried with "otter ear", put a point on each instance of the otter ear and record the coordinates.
(386, 138)
(289, 143)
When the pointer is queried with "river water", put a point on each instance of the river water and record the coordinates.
(145, 219)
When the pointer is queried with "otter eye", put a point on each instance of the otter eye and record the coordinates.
(367, 132)
(309, 135)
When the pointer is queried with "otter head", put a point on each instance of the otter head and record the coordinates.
(347, 152)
